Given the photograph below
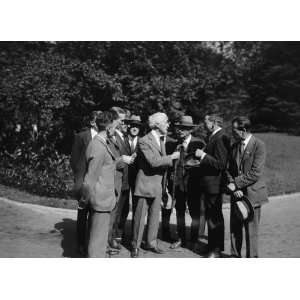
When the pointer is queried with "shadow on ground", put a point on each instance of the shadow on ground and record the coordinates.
(67, 229)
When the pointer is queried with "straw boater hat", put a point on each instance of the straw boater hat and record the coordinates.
(185, 122)
(245, 210)
(134, 120)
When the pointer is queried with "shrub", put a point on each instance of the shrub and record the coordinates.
(43, 172)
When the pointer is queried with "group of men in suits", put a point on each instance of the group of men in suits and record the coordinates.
(162, 174)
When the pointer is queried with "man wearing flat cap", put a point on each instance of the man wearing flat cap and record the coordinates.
(186, 192)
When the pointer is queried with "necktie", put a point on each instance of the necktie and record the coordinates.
(180, 168)
(163, 151)
(240, 152)
(162, 146)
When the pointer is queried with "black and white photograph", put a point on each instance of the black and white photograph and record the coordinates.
(144, 149)
(141, 140)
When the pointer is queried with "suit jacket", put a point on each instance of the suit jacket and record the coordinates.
(152, 166)
(248, 176)
(124, 149)
(133, 168)
(78, 159)
(120, 165)
(190, 182)
(99, 182)
(214, 164)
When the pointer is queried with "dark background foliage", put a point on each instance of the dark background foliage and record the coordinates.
(55, 85)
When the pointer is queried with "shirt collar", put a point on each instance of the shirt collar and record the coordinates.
(93, 132)
(157, 136)
(187, 141)
(120, 134)
(214, 132)
(246, 141)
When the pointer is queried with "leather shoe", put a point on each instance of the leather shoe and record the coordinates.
(115, 245)
(176, 244)
(156, 250)
(214, 254)
(112, 251)
(134, 253)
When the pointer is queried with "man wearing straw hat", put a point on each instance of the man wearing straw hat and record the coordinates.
(245, 176)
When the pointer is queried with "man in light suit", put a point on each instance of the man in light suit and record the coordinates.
(98, 188)
(152, 162)
(78, 165)
(245, 177)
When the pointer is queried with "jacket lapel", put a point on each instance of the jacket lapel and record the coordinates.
(248, 149)
(87, 137)
(154, 142)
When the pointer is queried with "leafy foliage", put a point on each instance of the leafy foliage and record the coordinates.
(55, 84)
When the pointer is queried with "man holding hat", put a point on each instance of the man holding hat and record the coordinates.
(249, 193)
(186, 192)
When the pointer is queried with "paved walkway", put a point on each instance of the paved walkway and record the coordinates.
(28, 230)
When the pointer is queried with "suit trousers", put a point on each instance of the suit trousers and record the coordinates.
(251, 233)
(121, 215)
(195, 203)
(118, 215)
(98, 234)
(144, 205)
(83, 224)
(215, 221)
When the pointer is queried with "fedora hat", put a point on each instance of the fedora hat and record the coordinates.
(134, 120)
(185, 121)
(244, 209)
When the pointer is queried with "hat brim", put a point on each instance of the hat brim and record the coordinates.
(185, 125)
(247, 204)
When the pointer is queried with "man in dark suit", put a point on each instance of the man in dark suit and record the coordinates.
(78, 165)
(186, 188)
(121, 211)
(152, 162)
(213, 162)
(245, 177)
(134, 130)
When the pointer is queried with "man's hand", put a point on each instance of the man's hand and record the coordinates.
(127, 159)
(199, 153)
(231, 187)
(238, 194)
(175, 155)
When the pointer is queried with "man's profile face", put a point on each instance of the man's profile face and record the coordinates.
(237, 133)
(111, 128)
(209, 125)
(163, 126)
(122, 126)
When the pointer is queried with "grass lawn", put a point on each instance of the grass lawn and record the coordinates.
(282, 172)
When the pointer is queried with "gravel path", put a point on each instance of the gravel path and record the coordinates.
(28, 230)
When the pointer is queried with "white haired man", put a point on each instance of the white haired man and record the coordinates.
(152, 164)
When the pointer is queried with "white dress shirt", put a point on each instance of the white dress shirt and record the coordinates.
(186, 142)
(133, 142)
(93, 132)
(157, 137)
